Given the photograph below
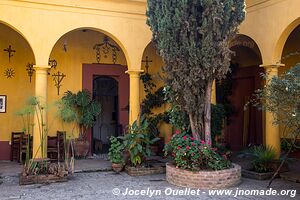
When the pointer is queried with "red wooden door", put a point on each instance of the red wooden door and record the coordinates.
(245, 126)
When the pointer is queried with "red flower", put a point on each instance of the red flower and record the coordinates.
(192, 138)
(188, 147)
(184, 137)
(193, 144)
(202, 142)
(179, 147)
(214, 149)
(177, 132)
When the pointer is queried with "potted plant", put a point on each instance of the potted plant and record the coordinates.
(115, 154)
(137, 144)
(203, 164)
(38, 170)
(79, 108)
(262, 163)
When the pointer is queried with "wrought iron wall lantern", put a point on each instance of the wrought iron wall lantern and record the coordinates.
(30, 70)
(52, 63)
(58, 78)
(105, 48)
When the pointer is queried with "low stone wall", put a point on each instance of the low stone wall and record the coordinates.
(204, 179)
(143, 171)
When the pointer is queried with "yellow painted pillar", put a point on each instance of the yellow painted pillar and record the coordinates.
(134, 95)
(214, 93)
(41, 84)
(272, 134)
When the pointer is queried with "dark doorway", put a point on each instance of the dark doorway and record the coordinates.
(105, 91)
(245, 125)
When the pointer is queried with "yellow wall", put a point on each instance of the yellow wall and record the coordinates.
(17, 88)
(155, 70)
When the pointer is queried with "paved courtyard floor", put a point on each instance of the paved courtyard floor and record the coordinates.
(102, 185)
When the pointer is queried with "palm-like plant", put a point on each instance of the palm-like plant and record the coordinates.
(80, 109)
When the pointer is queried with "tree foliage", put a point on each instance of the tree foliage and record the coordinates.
(279, 97)
(192, 38)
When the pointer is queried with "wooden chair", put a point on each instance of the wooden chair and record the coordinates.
(61, 137)
(23, 146)
(16, 138)
(55, 146)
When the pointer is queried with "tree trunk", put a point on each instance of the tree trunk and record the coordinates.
(196, 130)
(207, 113)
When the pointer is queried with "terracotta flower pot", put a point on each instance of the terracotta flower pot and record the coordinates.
(117, 167)
(81, 148)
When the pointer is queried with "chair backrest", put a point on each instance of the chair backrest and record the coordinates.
(16, 137)
(52, 141)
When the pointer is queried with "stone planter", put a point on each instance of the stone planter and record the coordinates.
(204, 179)
(117, 167)
(81, 148)
(41, 179)
(255, 175)
(143, 171)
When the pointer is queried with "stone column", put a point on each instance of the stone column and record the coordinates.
(272, 134)
(134, 95)
(41, 90)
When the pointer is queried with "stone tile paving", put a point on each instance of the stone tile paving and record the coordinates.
(99, 185)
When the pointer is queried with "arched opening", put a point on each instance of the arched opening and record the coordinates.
(81, 56)
(244, 126)
(291, 51)
(290, 57)
(284, 37)
(16, 83)
(153, 105)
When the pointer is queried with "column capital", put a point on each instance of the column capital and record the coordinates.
(42, 67)
(134, 73)
(272, 67)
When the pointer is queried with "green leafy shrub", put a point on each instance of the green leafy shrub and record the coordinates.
(137, 142)
(261, 158)
(188, 153)
(116, 149)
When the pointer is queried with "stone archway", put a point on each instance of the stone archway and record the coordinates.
(244, 126)
(15, 83)
(83, 54)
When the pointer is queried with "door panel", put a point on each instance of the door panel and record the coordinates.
(245, 126)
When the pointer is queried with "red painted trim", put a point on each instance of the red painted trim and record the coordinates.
(118, 73)
(4, 150)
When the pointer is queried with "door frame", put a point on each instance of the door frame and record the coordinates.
(117, 72)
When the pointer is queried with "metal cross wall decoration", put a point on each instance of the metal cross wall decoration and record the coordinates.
(105, 47)
(10, 52)
(30, 70)
(58, 78)
(147, 61)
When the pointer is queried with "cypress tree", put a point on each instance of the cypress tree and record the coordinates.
(192, 37)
